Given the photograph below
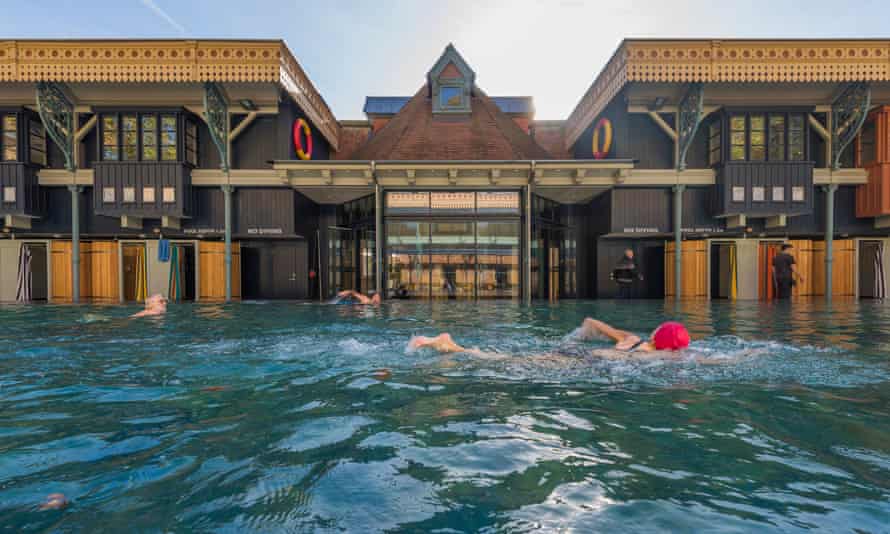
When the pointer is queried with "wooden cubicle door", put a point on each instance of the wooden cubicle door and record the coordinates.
(99, 270)
(695, 269)
(843, 268)
(212, 270)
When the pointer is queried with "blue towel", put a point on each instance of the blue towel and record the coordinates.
(163, 250)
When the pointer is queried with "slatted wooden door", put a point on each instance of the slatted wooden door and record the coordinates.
(843, 267)
(695, 269)
(60, 265)
(102, 271)
(803, 257)
(212, 268)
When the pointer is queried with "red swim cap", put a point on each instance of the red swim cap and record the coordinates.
(670, 336)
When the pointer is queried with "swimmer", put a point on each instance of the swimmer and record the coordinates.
(154, 305)
(359, 298)
(664, 343)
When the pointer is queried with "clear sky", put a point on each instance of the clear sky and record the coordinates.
(549, 49)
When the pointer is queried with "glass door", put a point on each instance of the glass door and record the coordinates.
(341, 258)
(408, 250)
(497, 245)
(453, 260)
(367, 260)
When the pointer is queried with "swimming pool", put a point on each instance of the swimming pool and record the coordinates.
(264, 417)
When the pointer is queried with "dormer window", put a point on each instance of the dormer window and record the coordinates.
(451, 97)
(451, 83)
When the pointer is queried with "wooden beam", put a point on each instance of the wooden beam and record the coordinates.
(81, 133)
(665, 127)
(817, 127)
(245, 122)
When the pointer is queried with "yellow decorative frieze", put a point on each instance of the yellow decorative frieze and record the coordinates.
(162, 61)
(739, 61)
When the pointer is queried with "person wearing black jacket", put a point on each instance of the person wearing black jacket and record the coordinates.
(625, 274)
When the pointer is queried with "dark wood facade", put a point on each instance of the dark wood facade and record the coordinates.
(762, 189)
(26, 198)
(130, 182)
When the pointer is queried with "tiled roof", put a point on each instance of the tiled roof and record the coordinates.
(415, 133)
(390, 105)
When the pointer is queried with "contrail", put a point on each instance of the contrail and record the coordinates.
(163, 14)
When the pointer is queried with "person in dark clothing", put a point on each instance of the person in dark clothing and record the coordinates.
(784, 272)
(625, 274)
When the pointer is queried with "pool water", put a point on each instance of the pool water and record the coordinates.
(268, 417)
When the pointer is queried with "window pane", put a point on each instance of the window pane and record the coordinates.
(738, 194)
(10, 138)
(451, 96)
(776, 137)
(796, 138)
(757, 138)
(738, 153)
(738, 123)
(169, 194)
(130, 153)
(867, 143)
(110, 150)
(498, 258)
(148, 195)
(109, 153)
(797, 194)
(738, 138)
(758, 193)
(108, 195)
(758, 153)
(168, 137)
(9, 194)
(757, 122)
(149, 137)
(778, 194)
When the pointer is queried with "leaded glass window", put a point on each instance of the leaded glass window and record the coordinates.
(867, 143)
(149, 137)
(110, 145)
(191, 143)
(757, 148)
(37, 142)
(714, 144)
(776, 137)
(796, 138)
(168, 137)
(738, 137)
(10, 138)
(130, 137)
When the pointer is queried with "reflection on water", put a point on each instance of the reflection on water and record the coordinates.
(261, 417)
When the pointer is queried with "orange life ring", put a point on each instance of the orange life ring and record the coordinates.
(605, 125)
(301, 126)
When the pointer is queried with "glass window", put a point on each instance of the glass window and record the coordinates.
(10, 138)
(738, 137)
(758, 193)
(797, 194)
(408, 247)
(130, 137)
(108, 195)
(757, 148)
(149, 137)
(714, 143)
(168, 137)
(738, 194)
(452, 259)
(129, 195)
(9, 194)
(778, 193)
(497, 266)
(407, 202)
(453, 202)
(796, 138)
(169, 195)
(506, 202)
(451, 97)
(776, 137)
(191, 143)
(110, 146)
(37, 142)
(148, 195)
(867, 143)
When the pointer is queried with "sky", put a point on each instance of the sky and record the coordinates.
(551, 50)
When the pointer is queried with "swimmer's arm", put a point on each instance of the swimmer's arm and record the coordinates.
(593, 328)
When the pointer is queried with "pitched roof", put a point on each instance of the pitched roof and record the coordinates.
(415, 133)
(390, 105)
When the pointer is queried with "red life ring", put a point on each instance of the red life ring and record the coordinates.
(605, 125)
(301, 126)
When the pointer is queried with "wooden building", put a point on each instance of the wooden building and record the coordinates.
(214, 170)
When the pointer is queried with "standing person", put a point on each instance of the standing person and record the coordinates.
(784, 271)
(625, 274)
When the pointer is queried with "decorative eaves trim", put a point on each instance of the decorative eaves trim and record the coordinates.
(167, 61)
(739, 61)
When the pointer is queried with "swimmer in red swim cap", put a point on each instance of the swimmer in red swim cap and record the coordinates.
(668, 336)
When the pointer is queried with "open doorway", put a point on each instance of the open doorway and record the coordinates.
(33, 281)
(724, 271)
(872, 282)
(135, 275)
(181, 279)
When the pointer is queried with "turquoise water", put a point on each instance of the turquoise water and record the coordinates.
(268, 417)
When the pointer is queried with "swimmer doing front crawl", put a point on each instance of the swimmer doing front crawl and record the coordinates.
(344, 296)
(664, 343)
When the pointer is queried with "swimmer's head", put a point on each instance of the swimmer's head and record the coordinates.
(375, 298)
(670, 336)
(155, 301)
